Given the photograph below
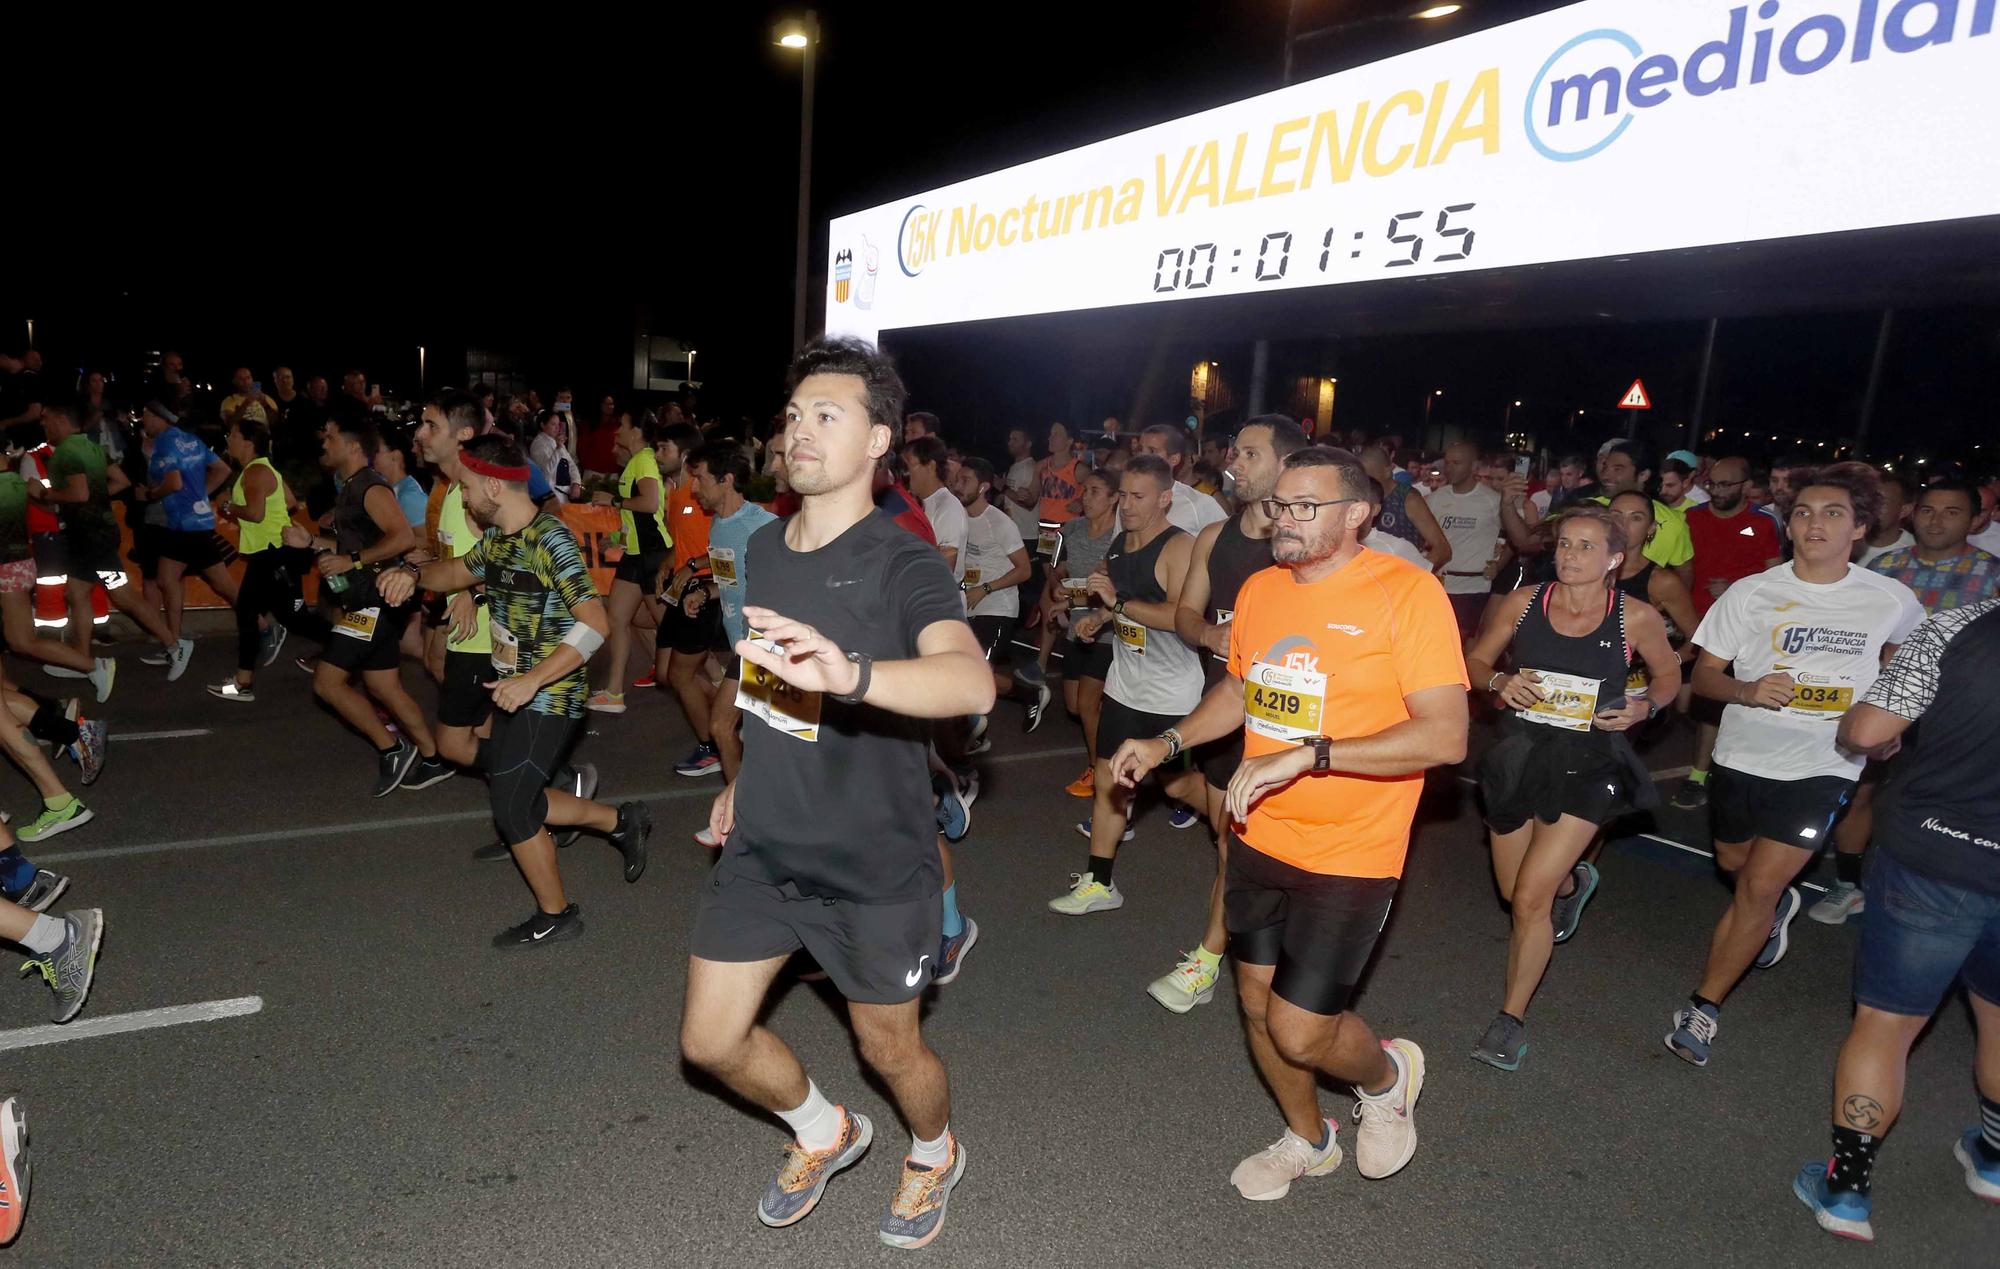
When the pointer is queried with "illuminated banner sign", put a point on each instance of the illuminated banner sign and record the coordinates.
(1606, 128)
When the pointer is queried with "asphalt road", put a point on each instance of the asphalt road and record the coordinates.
(409, 1096)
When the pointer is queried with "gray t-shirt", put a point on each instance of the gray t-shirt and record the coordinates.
(1027, 519)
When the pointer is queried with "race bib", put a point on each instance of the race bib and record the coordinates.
(1819, 700)
(1283, 704)
(1132, 635)
(359, 624)
(506, 654)
(971, 577)
(1045, 545)
(722, 563)
(1636, 682)
(1568, 701)
(789, 709)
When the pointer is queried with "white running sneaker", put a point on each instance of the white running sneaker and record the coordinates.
(178, 658)
(1387, 1139)
(1840, 903)
(1087, 895)
(1269, 1173)
(1186, 985)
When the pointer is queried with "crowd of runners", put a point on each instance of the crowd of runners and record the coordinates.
(1272, 637)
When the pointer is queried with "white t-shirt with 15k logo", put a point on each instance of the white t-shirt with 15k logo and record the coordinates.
(1829, 638)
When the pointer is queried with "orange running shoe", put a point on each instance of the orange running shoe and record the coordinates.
(1084, 786)
(916, 1214)
(794, 1192)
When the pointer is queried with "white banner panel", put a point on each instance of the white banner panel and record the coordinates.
(1606, 128)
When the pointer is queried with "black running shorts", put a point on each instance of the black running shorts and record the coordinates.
(520, 758)
(464, 699)
(875, 953)
(1317, 930)
(690, 636)
(1796, 812)
(1086, 660)
(1119, 723)
(367, 639)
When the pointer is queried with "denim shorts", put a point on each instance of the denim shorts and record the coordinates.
(1919, 935)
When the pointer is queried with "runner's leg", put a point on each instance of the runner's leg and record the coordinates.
(1746, 926)
(721, 1035)
(1551, 853)
(892, 1043)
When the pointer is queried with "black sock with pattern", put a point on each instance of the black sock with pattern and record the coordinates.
(1853, 1164)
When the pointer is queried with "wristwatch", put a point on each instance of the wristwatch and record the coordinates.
(1321, 747)
(1652, 709)
(867, 664)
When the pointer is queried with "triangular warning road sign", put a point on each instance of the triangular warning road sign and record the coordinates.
(1635, 398)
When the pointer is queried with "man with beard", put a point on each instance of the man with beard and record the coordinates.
(1346, 679)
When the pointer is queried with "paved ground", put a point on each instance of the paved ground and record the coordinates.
(409, 1096)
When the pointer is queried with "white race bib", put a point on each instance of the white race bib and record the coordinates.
(1568, 701)
(506, 654)
(1284, 704)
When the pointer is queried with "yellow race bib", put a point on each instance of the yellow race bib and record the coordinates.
(1284, 704)
(1132, 635)
(790, 710)
(1820, 700)
(1568, 701)
(359, 624)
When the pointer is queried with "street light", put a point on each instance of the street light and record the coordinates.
(690, 377)
(1437, 11)
(802, 34)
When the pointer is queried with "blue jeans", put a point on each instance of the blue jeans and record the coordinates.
(1919, 936)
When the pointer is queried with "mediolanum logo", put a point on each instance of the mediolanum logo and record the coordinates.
(1591, 88)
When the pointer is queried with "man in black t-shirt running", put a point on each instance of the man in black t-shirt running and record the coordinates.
(857, 636)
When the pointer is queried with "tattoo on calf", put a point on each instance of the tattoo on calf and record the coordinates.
(1862, 1112)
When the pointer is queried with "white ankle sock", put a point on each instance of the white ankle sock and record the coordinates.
(816, 1122)
(46, 934)
(932, 1154)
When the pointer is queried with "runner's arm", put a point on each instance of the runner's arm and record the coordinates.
(1524, 536)
(947, 678)
(1437, 549)
(644, 499)
(1433, 736)
(1496, 631)
(1012, 577)
(1648, 633)
(217, 476)
(1191, 606)
(397, 535)
(1668, 592)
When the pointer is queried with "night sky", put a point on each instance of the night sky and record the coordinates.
(346, 197)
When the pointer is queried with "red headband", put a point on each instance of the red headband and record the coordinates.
(518, 475)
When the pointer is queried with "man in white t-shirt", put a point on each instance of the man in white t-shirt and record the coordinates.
(1022, 495)
(1892, 533)
(1986, 527)
(925, 459)
(1788, 651)
(1468, 510)
(1191, 510)
(995, 564)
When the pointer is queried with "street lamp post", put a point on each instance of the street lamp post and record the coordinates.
(802, 34)
(1428, 402)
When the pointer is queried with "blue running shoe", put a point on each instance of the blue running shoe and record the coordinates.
(1844, 1213)
(1780, 941)
(1182, 816)
(954, 815)
(1567, 910)
(952, 950)
(1981, 1177)
(1694, 1031)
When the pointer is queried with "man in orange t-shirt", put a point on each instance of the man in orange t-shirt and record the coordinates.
(690, 617)
(1346, 678)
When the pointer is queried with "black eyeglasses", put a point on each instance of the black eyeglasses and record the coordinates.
(1301, 512)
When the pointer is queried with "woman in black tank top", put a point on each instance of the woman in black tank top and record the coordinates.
(1663, 588)
(1562, 766)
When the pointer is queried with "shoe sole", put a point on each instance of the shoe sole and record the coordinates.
(643, 818)
(562, 934)
(1835, 1225)
(713, 768)
(1576, 918)
(61, 826)
(1415, 1057)
(944, 1204)
(46, 901)
(1497, 1063)
(17, 1165)
(241, 698)
(1084, 832)
(1201, 997)
(439, 778)
(176, 666)
(705, 845)
(90, 966)
(1095, 905)
(483, 857)
(1783, 932)
(605, 709)
(1978, 1184)
(848, 1158)
(110, 681)
(1328, 1165)
(1835, 918)
(971, 941)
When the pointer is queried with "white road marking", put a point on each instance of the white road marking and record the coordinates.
(159, 735)
(279, 836)
(121, 1023)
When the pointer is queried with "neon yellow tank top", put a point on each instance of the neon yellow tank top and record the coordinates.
(456, 536)
(268, 533)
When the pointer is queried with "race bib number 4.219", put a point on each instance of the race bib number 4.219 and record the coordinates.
(1284, 704)
(793, 711)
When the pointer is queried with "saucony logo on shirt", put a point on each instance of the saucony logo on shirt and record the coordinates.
(1354, 631)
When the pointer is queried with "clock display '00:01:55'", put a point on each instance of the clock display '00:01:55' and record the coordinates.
(1194, 268)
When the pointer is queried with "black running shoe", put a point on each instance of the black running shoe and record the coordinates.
(635, 825)
(393, 766)
(427, 771)
(541, 928)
